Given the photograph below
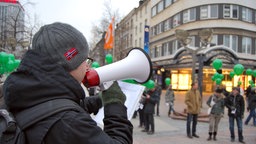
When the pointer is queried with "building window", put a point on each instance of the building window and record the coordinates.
(152, 53)
(167, 24)
(158, 51)
(230, 11)
(189, 15)
(140, 42)
(214, 40)
(166, 51)
(160, 6)
(246, 14)
(176, 20)
(231, 41)
(153, 11)
(209, 11)
(167, 3)
(174, 47)
(246, 45)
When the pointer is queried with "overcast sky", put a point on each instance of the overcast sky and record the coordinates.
(79, 13)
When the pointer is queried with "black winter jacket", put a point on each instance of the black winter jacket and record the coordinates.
(235, 102)
(38, 80)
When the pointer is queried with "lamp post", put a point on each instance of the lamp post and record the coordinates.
(183, 37)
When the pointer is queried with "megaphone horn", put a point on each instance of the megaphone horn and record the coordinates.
(137, 66)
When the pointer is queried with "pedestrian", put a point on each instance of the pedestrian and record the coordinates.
(194, 103)
(247, 93)
(169, 99)
(217, 105)
(251, 107)
(159, 92)
(54, 69)
(141, 110)
(150, 101)
(235, 104)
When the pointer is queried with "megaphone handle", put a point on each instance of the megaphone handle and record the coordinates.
(106, 85)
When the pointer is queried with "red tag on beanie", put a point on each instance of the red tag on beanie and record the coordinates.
(71, 53)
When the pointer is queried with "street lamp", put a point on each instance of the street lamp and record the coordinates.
(183, 37)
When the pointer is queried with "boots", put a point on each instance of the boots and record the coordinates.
(214, 136)
(210, 136)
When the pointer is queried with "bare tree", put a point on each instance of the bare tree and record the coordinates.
(97, 31)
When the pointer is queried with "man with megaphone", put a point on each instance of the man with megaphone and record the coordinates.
(52, 71)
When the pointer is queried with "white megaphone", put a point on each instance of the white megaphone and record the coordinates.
(137, 66)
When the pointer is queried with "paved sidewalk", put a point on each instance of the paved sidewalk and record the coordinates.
(168, 130)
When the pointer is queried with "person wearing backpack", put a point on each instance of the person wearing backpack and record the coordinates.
(53, 70)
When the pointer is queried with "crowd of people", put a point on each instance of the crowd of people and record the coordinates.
(233, 101)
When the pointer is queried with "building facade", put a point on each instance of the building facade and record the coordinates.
(12, 24)
(129, 32)
(233, 41)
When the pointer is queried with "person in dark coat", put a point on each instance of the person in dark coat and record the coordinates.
(235, 104)
(149, 107)
(159, 91)
(54, 69)
(251, 107)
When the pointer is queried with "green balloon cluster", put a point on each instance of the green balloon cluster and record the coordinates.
(251, 83)
(217, 78)
(109, 58)
(167, 81)
(8, 63)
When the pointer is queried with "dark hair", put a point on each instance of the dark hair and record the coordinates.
(218, 90)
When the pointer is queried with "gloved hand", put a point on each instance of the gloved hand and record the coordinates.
(92, 104)
(167, 104)
(113, 94)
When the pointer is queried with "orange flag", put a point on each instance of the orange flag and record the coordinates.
(109, 37)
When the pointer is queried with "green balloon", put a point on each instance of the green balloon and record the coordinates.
(109, 58)
(249, 72)
(238, 69)
(253, 85)
(213, 78)
(167, 81)
(16, 63)
(10, 66)
(95, 65)
(2, 70)
(217, 64)
(221, 76)
(254, 73)
(250, 81)
(149, 84)
(4, 57)
(216, 75)
(232, 74)
(218, 81)
(11, 57)
(239, 83)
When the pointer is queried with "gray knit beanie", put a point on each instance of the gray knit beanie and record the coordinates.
(63, 44)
